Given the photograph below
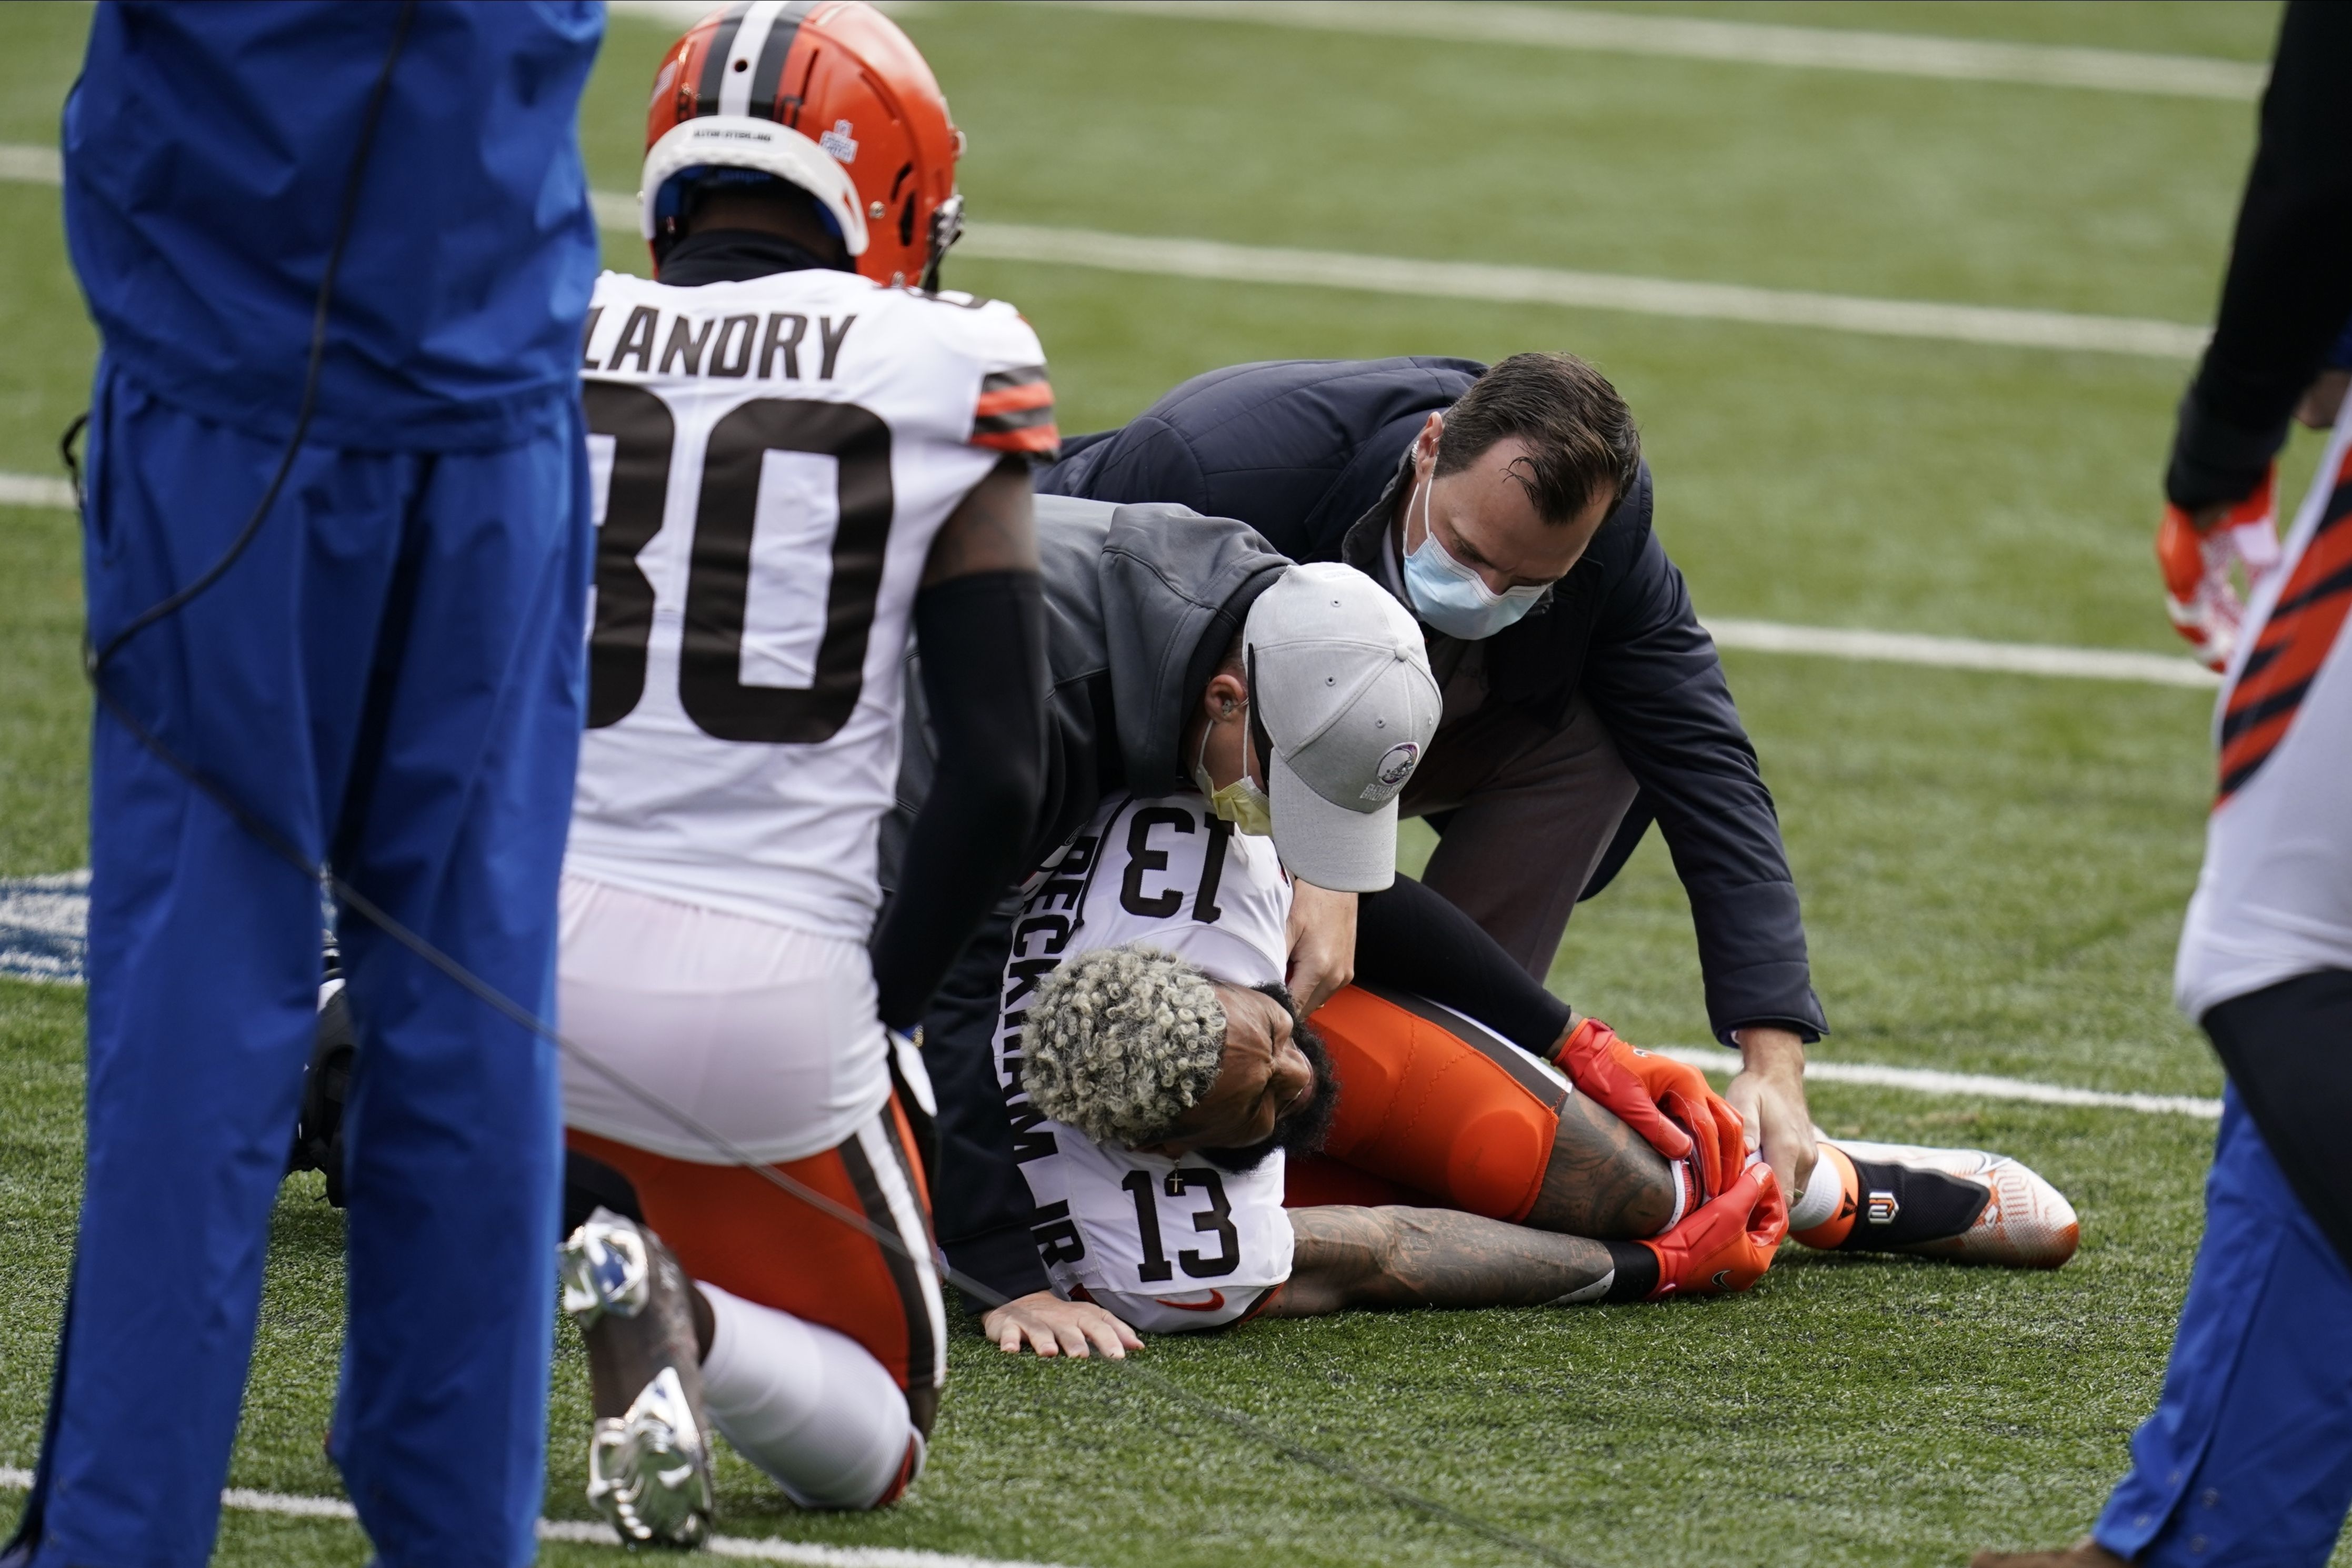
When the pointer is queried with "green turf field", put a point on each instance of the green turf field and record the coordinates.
(1993, 866)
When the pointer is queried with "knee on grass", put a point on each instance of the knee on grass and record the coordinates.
(810, 1408)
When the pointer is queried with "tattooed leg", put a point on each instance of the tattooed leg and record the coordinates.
(1442, 1257)
(1603, 1179)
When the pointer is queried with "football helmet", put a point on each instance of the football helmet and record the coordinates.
(826, 94)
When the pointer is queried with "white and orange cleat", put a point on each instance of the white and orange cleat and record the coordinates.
(1964, 1205)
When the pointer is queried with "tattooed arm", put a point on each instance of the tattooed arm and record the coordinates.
(1437, 1258)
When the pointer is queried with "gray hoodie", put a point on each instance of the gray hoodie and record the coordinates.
(1138, 614)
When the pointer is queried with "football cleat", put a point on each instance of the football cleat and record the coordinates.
(1964, 1205)
(649, 1471)
(649, 1455)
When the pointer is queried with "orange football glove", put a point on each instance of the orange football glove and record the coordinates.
(1725, 1245)
(1665, 1100)
(2204, 604)
(1596, 1062)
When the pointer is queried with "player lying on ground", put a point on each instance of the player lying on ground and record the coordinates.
(1434, 1110)
(1174, 1097)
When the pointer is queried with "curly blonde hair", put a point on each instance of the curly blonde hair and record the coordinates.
(1121, 1041)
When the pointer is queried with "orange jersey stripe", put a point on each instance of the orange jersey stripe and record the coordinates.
(1010, 399)
(2294, 642)
(1036, 438)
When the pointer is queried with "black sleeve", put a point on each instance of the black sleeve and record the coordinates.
(2289, 289)
(1653, 677)
(1409, 939)
(984, 682)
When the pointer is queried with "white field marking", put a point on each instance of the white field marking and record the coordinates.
(1963, 654)
(1739, 43)
(33, 490)
(580, 1531)
(1753, 637)
(1958, 1085)
(1217, 261)
(31, 165)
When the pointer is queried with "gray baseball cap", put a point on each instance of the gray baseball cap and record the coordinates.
(1339, 681)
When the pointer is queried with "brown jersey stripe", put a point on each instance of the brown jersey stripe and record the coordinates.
(1521, 1067)
(714, 58)
(1021, 376)
(1013, 420)
(922, 1348)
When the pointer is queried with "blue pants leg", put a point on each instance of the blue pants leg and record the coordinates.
(285, 684)
(457, 825)
(2248, 1457)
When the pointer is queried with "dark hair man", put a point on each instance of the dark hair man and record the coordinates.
(348, 597)
(2248, 1454)
(1510, 510)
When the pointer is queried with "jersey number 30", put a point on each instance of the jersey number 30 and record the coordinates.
(718, 573)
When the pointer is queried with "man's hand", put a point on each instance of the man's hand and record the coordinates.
(1769, 1095)
(1322, 936)
(1052, 1326)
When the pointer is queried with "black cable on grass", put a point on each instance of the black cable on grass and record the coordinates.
(95, 659)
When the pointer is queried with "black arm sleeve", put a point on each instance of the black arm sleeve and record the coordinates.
(984, 680)
(1409, 939)
(1655, 678)
(2289, 289)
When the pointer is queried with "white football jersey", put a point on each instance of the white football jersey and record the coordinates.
(771, 459)
(1168, 1244)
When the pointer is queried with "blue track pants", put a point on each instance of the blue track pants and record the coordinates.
(2247, 1459)
(392, 677)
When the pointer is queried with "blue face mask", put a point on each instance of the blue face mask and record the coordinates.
(1450, 596)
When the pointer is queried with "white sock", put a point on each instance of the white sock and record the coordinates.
(1822, 1192)
(809, 1406)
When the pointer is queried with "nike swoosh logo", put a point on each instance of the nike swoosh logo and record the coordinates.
(1215, 1303)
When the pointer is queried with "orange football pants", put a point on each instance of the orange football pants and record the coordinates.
(1435, 1111)
(732, 1228)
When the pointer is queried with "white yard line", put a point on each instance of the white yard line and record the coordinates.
(1963, 654)
(33, 490)
(1490, 283)
(1736, 42)
(1217, 261)
(578, 1530)
(1960, 1085)
(1496, 284)
(31, 165)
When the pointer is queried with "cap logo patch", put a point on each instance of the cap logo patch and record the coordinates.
(837, 143)
(1396, 766)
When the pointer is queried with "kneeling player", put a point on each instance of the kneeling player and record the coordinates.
(804, 458)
